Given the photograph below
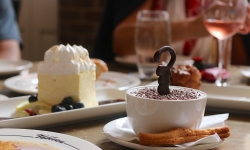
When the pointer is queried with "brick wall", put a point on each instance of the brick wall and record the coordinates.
(79, 21)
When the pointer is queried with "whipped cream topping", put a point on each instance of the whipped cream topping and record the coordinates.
(63, 60)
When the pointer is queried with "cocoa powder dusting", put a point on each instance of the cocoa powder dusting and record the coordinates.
(175, 94)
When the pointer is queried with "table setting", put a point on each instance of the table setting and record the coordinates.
(108, 115)
(154, 100)
(111, 115)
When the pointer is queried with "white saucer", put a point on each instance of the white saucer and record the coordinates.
(119, 122)
(27, 84)
(11, 67)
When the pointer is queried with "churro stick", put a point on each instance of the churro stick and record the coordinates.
(180, 132)
(224, 135)
(171, 141)
(178, 140)
(180, 135)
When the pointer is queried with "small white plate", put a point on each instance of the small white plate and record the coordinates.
(119, 122)
(27, 84)
(11, 67)
(245, 73)
(111, 102)
(36, 139)
(130, 60)
(117, 80)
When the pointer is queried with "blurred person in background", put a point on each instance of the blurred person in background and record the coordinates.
(189, 35)
(10, 40)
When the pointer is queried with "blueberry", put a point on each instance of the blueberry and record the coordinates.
(67, 100)
(68, 107)
(33, 98)
(57, 108)
(78, 105)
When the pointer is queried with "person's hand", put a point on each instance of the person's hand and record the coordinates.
(245, 29)
(10, 50)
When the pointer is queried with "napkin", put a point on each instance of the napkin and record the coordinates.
(211, 74)
(124, 131)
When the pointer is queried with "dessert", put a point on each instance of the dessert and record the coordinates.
(181, 135)
(180, 93)
(101, 66)
(66, 81)
(186, 76)
(67, 71)
(163, 70)
(7, 145)
(18, 145)
(153, 109)
(167, 115)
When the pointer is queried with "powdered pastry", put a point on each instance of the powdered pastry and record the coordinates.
(186, 76)
(101, 67)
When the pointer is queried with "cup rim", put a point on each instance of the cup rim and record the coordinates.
(155, 12)
(203, 96)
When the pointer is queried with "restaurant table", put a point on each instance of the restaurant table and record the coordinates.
(92, 129)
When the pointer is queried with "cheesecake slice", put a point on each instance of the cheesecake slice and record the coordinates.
(67, 71)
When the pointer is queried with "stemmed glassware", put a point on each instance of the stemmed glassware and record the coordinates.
(222, 19)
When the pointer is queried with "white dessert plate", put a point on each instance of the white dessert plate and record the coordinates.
(3, 97)
(119, 122)
(36, 139)
(130, 60)
(11, 67)
(111, 102)
(27, 84)
(117, 80)
(229, 97)
(245, 72)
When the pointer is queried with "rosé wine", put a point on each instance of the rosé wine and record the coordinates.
(222, 29)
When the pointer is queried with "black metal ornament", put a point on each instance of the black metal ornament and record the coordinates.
(163, 70)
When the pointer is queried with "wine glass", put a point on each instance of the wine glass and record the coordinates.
(222, 19)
